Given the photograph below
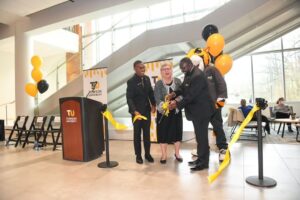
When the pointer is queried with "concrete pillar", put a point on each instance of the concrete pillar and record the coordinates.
(23, 53)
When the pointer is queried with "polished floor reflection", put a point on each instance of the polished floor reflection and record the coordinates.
(29, 174)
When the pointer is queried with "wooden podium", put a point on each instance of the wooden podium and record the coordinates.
(82, 127)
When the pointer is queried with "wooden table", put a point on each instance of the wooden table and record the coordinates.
(284, 121)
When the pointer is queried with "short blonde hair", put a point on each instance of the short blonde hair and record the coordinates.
(166, 63)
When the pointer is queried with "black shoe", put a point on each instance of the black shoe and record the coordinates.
(179, 159)
(222, 154)
(195, 162)
(291, 130)
(199, 167)
(139, 160)
(163, 161)
(149, 158)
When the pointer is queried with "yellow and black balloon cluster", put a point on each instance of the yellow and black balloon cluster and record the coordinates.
(214, 49)
(40, 84)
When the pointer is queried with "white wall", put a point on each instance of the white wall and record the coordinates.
(50, 65)
(7, 72)
(7, 82)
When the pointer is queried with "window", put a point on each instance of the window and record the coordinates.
(121, 19)
(292, 74)
(160, 23)
(274, 45)
(139, 16)
(188, 6)
(177, 7)
(268, 76)
(177, 20)
(137, 30)
(292, 39)
(121, 37)
(238, 80)
(160, 10)
(103, 23)
(105, 45)
(158, 15)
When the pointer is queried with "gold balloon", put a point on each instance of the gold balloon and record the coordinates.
(36, 61)
(31, 89)
(215, 44)
(223, 63)
(37, 75)
(200, 52)
(190, 53)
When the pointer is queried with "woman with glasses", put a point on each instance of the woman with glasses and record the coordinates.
(281, 110)
(169, 127)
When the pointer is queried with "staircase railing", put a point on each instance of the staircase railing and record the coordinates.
(61, 67)
(60, 70)
(7, 112)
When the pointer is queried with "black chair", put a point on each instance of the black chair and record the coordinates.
(54, 127)
(36, 129)
(18, 128)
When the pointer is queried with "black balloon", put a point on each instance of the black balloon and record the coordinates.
(209, 30)
(42, 86)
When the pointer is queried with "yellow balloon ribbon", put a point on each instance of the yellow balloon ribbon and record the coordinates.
(235, 137)
(111, 119)
(165, 107)
(139, 117)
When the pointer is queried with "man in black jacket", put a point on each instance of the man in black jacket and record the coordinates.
(218, 92)
(140, 100)
(193, 96)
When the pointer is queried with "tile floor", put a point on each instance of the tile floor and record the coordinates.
(29, 174)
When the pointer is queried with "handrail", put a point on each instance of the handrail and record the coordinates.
(62, 63)
(8, 103)
(6, 113)
(114, 27)
(98, 35)
(150, 21)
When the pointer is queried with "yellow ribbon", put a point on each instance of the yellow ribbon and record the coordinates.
(235, 137)
(139, 117)
(111, 119)
(165, 107)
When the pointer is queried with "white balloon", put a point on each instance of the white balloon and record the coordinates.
(197, 62)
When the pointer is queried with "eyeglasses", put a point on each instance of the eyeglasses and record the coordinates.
(166, 69)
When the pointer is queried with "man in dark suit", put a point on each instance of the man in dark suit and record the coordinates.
(140, 100)
(218, 92)
(194, 97)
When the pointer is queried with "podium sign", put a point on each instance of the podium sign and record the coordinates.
(82, 128)
(95, 84)
(72, 124)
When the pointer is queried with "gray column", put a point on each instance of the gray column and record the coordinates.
(23, 53)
